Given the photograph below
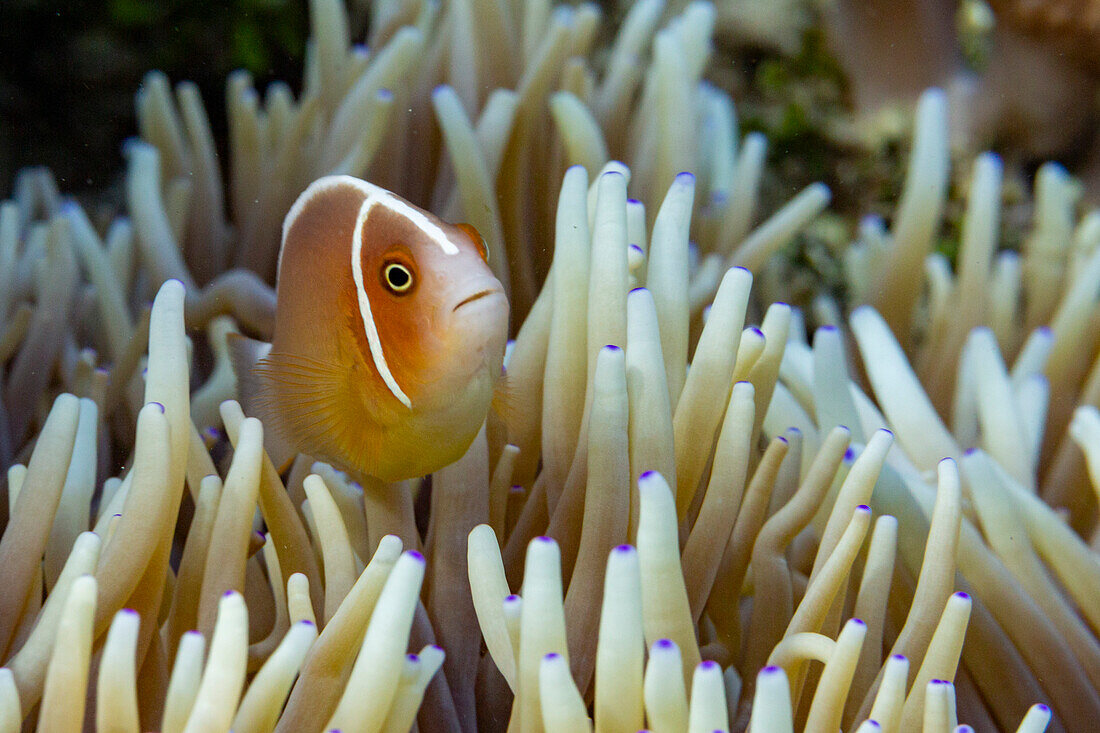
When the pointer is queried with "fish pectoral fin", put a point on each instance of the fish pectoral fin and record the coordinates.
(503, 404)
(245, 354)
(312, 409)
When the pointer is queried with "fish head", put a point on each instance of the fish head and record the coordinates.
(439, 315)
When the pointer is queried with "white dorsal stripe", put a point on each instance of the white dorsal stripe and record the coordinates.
(380, 195)
(396, 205)
(374, 196)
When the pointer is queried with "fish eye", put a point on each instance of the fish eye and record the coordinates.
(397, 278)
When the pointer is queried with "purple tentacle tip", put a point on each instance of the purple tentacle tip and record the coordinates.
(624, 548)
(708, 664)
(544, 538)
(771, 669)
(552, 655)
(963, 595)
(159, 405)
(664, 644)
(415, 555)
(858, 622)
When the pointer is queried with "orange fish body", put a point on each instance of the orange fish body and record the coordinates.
(389, 337)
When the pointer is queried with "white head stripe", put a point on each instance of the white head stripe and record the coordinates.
(364, 306)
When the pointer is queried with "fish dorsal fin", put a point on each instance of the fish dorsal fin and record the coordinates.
(313, 405)
(245, 354)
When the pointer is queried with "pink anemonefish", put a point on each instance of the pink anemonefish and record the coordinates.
(389, 336)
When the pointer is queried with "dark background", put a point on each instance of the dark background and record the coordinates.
(69, 70)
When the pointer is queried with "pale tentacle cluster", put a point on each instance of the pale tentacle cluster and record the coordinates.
(100, 595)
(788, 500)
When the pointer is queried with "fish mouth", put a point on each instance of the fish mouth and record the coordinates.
(485, 293)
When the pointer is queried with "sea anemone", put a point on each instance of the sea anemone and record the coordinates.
(693, 511)
(798, 514)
